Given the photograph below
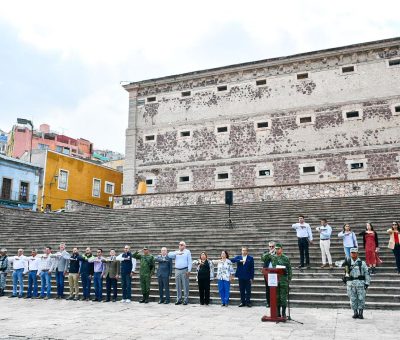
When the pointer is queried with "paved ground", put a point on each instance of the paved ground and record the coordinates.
(37, 319)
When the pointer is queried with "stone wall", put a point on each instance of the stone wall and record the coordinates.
(72, 205)
(258, 194)
(305, 122)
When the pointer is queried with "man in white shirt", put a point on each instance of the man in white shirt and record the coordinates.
(45, 265)
(304, 238)
(33, 267)
(20, 268)
(325, 232)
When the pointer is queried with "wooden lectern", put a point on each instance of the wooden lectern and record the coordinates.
(272, 295)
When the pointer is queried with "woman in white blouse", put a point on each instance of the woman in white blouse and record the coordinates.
(224, 275)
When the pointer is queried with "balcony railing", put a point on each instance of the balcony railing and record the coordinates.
(18, 197)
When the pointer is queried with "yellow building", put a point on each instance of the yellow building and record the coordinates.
(66, 177)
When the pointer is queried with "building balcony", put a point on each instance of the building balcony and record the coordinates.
(19, 200)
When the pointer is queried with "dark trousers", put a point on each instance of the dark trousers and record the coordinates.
(60, 283)
(98, 286)
(396, 252)
(86, 283)
(266, 291)
(126, 282)
(163, 285)
(204, 290)
(245, 290)
(111, 283)
(303, 248)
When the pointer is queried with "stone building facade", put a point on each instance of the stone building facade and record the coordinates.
(320, 117)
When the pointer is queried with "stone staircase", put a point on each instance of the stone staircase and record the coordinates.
(204, 228)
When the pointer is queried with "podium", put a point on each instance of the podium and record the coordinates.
(276, 273)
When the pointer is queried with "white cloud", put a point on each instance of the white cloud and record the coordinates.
(132, 40)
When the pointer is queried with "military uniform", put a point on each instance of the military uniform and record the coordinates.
(358, 280)
(147, 266)
(283, 285)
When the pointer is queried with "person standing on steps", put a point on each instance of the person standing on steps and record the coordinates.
(87, 271)
(325, 232)
(349, 239)
(60, 267)
(371, 246)
(128, 267)
(304, 238)
(111, 275)
(267, 264)
(45, 265)
(147, 267)
(394, 243)
(245, 275)
(358, 280)
(98, 272)
(73, 274)
(33, 267)
(225, 274)
(20, 268)
(281, 260)
(4, 268)
(183, 267)
(205, 274)
(164, 272)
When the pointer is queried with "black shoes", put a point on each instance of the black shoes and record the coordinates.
(242, 305)
(248, 305)
(355, 315)
(360, 314)
(160, 302)
(178, 302)
(185, 303)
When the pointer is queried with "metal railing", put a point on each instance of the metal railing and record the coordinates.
(18, 196)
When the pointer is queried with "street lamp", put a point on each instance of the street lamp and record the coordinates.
(27, 122)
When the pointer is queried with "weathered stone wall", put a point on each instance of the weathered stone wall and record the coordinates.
(258, 194)
(330, 142)
(73, 205)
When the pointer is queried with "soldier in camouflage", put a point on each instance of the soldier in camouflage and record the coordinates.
(357, 280)
(280, 259)
(147, 266)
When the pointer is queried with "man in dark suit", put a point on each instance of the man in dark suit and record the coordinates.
(164, 272)
(111, 274)
(245, 275)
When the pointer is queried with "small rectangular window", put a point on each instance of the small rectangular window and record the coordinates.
(184, 179)
(356, 166)
(222, 88)
(223, 175)
(63, 180)
(397, 108)
(263, 173)
(352, 114)
(186, 94)
(261, 82)
(347, 69)
(302, 76)
(59, 148)
(96, 187)
(262, 125)
(222, 129)
(394, 62)
(109, 188)
(151, 99)
(23, 191)
(149, 181)
(185, 133)
(150, 138)
(308, 169)
(140, 102)
(305, 120)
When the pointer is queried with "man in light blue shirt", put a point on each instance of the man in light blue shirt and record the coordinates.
(325, 232)
(183, 267)
(304, 238)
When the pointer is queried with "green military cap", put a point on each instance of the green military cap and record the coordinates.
(353, 250)
(278, 245)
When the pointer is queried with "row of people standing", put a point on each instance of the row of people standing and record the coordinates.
(349, 239)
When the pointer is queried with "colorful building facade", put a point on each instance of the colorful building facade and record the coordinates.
(19, 183)
(67, 177)
(44, 139)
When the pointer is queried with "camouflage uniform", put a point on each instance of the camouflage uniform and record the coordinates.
(147, 266)
(356, 287)
(283, 286)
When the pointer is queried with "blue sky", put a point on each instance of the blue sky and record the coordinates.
(62, 61)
